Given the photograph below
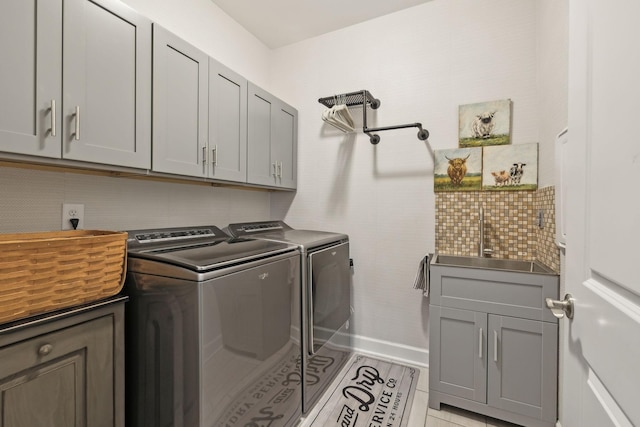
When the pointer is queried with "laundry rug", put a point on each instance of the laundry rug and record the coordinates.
(273, 398)
(371, 393)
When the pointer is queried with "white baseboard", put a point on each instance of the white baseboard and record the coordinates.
(388, 350)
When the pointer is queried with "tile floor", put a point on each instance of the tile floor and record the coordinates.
(448, 416)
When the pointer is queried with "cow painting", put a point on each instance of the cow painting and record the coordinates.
(457, 169)
(516, 172)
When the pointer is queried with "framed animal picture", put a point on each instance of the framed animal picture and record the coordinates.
(485, 123)
(513, 167)
(458, 169)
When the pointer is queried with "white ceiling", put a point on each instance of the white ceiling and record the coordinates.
(281, 22)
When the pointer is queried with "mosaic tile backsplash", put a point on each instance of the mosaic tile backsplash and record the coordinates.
(510, 224)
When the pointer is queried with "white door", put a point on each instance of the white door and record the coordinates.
(601, 345)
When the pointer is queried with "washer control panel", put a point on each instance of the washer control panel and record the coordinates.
(252, 228)
(140, 240)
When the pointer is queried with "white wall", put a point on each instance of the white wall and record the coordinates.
(206, 26)
(422, 63)
(31, 200)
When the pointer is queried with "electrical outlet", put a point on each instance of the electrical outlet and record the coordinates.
(540, 218)
(69, 211)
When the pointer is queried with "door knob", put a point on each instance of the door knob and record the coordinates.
(560, 308)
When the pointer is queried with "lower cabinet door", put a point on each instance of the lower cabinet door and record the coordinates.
(458, 352)
(523, 368)
(61, 379)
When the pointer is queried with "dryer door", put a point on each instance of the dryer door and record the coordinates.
(329, 293)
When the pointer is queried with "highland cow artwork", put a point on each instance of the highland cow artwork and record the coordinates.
(513, 167)
(485, 123)
(458, 170)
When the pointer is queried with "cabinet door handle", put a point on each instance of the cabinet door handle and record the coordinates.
(495, 346)
(480, 343)
(53, 117)
(280, 170)
(275, 169)
(214, 155)
(76, 135)
(45, 349)
(204, 156)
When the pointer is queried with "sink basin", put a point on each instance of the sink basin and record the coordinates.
(491, 264)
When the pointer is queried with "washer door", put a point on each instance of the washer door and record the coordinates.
(250, 345)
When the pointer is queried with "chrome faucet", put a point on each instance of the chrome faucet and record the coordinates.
(482, 252)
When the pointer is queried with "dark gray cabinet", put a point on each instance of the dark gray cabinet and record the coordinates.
(493, 346)
(99, 51)
(64, 370)
(272, 140)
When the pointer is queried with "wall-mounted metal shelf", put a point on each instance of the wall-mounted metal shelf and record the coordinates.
(351, 99)
(364, 98)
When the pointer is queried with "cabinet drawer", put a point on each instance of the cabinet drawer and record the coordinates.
(490, 291)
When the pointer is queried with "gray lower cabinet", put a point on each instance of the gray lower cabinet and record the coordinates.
(272, 140)
(489, 360)
(99, 51)
(458, 353)
(522, 366)
(66, 372)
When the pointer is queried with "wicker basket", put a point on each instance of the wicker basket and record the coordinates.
(43, 272)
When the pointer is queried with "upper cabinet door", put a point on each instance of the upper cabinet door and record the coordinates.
(262, 168)
(30, 76)
(180, 106)
(272, 140)
(227, 123)
(107, 84)
(285, 148)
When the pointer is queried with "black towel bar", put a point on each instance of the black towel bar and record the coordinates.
(364, 98)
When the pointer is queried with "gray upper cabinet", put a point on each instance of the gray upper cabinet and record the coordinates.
(99, 52)
(227, 123)
(199, 112)
(180, 106)
(272, 140)
(106, 80)
(30, 77)
(76, 84)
